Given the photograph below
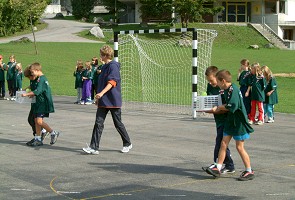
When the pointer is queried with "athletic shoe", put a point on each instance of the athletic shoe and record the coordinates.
(213, 171)
(126, 149)
(270, 120)
(245, 176)
(36, 143)
(227, 171)
(259, 123)
(54, 137)
(250, 122)
(29, 143)
(89, 150)
(206, 168)
(88, 103)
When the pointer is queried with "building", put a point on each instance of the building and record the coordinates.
(279, 15)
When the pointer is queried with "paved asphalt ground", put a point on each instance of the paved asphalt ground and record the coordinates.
(165, 162)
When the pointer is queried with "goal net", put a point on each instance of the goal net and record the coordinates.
(163, 70)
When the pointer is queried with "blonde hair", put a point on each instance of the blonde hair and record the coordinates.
(107, 51)
(266, 72)
(12, 57)
(256, 68)
(36, 66)
(19, 67)
(88, 65)
(79, 64)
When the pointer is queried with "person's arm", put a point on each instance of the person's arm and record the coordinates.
(248, 90)
(105, 90)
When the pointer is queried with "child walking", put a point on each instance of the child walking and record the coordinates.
(87, 84)
(244, 76)
(235, 126)
(78, 81)
(43, 105)
(219, 117)
(257, 87)
(3, 68)
(271, 95)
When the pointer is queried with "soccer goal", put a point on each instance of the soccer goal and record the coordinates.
(162, 70)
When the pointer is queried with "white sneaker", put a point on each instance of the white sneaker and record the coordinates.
(259, 122)
(126, 149)
(270, 120)
(250, 122)
(90, 150)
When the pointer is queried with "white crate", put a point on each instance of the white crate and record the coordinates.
(20, 99)
(204, 103)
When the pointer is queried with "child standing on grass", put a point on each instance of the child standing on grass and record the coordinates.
(87, 84)
(3, 68)
(271, 95)
(235, 126)
(10, 76)
(78, 81)
(244, 76)
(43, 105)
(18, 78)
(257, 87)
(219, 117)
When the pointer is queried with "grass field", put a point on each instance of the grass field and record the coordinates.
(59, 59)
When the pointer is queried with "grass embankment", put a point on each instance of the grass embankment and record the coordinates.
(229, 48)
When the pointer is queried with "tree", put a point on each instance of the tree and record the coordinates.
(82, 8)
(193, 10)
(16, 15)
(188, 10)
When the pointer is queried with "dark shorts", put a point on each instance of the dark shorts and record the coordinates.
(41, 115)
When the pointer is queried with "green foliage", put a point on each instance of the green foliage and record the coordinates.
(159, 9)
(16, 15)
(82, 8)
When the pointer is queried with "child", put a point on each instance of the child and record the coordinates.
(213, 89)
(3, 68)
(257, 87)
(87, 84)
(78, 81)
(10, 76)
(271, 95)
(235, 126)
(18, 78)
(109, 99)
(243, 77)
(43, 105)
(94, 66)
(33, 84)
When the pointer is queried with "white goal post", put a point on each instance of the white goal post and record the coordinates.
(163, 69)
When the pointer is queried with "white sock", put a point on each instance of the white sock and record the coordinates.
(37, 137)
(249, 169)
(52, 132)
(219, 166)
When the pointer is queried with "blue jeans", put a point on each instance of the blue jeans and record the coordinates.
(268, 109)
(228, 161)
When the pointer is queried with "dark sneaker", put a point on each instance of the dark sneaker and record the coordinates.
(245, 176)
(29, 143)
(206, 168)
(36, 143)
(227, 171)
(213, 171)
(54, 137)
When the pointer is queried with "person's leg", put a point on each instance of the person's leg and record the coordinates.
(253, 110)
(260, 111)
(101, 114)
(116, 115)
(2, 88)
(243, 154)
(218, 140)
(31, 121)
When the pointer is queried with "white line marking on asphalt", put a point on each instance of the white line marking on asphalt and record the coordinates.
(67, 192)
(17, 189)
(173, 195)
(278, 194)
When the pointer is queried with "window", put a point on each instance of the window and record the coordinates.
(270, 7)
(282, 7)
